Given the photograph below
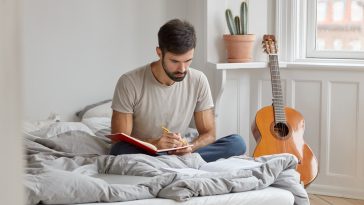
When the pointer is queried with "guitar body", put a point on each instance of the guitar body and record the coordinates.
(271, 140)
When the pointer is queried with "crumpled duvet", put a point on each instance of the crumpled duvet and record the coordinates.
(56, 177)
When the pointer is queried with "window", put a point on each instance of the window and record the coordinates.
(355, 45)
(322, 29)
(321, 11)
(338, 10)
(338, 44)
(357, 11)
(320, 44)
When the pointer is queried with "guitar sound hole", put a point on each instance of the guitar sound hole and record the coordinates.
(281, 129)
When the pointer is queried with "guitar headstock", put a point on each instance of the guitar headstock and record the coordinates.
(269, 44)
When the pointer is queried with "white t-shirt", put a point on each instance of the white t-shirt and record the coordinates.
(154, 105)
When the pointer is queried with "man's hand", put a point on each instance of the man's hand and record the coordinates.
(169, 140)
(187, 150)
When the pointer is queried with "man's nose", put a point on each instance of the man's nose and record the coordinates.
(182, 68)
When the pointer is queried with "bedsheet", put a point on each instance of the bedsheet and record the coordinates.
(54, 175)
(267, 196)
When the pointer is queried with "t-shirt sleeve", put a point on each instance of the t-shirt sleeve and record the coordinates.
(124, 95)
(204, 98)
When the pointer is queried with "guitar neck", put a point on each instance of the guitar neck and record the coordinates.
(278, 103)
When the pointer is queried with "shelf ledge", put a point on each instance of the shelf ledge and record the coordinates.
(290, 65)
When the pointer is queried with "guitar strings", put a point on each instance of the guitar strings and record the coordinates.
(280, 121)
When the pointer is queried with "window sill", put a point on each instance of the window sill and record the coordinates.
(292, 65)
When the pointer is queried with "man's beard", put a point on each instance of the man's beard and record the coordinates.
(171, 75)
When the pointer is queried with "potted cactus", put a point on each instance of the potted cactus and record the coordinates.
(239, 44)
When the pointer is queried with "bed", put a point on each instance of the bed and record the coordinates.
(270, 195)
(68, 163)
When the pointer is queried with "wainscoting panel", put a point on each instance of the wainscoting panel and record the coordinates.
(361, 133)
(234, 107)
(307, 100)
(342, 139)
(229, 108)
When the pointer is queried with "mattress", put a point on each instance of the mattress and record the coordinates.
(269, 195)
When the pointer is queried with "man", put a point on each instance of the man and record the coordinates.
(168, 93)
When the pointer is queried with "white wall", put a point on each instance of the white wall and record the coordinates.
(74, 51)
(258, 24)
(196, 15)
(10, 147)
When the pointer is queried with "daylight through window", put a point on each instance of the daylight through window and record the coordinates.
(340, 25)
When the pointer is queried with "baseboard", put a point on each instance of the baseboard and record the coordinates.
(336, 191)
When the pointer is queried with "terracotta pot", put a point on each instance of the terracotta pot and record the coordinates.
(239, 48)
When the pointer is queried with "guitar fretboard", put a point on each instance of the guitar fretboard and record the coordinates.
(278, 104)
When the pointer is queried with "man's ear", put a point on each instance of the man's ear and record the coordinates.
(159, 52)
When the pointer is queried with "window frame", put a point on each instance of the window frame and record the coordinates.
(298, 34)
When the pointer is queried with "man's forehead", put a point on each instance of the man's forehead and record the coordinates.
(187, 55)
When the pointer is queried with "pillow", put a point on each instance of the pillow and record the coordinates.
(100, 109)
(101, 126)
(61, 127)
(70, 137)
(76, 142)
(31, 126)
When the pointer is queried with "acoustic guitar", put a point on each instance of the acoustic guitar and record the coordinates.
(279, 129)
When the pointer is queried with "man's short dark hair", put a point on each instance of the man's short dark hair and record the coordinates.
(177, 37)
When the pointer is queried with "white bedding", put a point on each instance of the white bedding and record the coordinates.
(267, 196)
(66, 132)
(270, 195)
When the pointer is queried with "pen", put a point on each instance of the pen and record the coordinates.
(165, 130)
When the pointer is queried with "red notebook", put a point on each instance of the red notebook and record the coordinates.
(148, 147)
